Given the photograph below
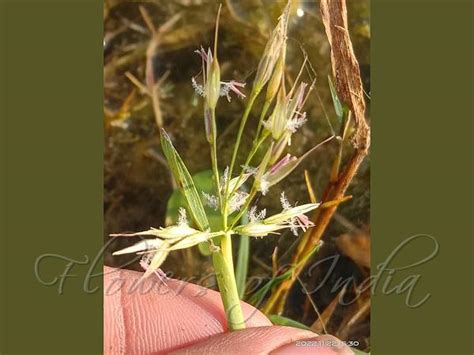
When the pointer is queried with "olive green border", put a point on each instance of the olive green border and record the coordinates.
(51, 169)
(422, 171)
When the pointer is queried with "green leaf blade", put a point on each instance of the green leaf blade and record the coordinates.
(242, 265)
(288, 322)
(335, 99)
(185, 182)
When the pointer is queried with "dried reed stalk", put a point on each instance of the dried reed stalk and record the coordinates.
(345, 70)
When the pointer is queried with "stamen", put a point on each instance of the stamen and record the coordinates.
(211, 200)
(202, 53)
(284, 201)
(197, 87)
(182, 218)
(249, 169)
(145, 264)
(264, 185)
(255, 216)
(233, 86)
(237, 200)
(295, 123)
(294, 229)
(224, 178)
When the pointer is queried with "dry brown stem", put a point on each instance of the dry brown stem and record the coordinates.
(348, 82)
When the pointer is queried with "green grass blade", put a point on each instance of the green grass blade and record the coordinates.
(242, 265)
(258, 296)
(335, 99)
(185, 182)
(280, 320)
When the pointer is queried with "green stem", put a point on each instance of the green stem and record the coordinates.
(213, 145)
(253, 190)
(242, 263)
(248, 161)
(255, 148)
(266, 106)
(256, 142)
(226, 247)
(223, 260)
(243, 121)
(223, 266)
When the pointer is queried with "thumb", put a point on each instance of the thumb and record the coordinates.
(268, 340)
(149, 317)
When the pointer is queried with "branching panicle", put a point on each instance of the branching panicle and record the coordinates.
(231, 194)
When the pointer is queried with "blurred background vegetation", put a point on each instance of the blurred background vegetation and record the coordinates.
(137, 182)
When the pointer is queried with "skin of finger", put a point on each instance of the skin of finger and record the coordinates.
(321, 345)
(150, 317)
(260, 340)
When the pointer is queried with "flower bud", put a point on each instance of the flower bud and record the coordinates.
(291, 213)
(296, 102)
(213, 84)
(272, 52)
(277, 77)
(257, 229)
(279, 148)
(283, 168)
(148, 244)
(237, 182)
(263, 166)
(171, 232)
(158, 258)
(208, 123)
(193, 240)
(279, 116)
